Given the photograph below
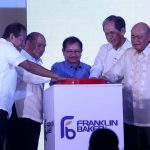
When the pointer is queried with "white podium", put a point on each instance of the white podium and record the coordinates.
(73, 112)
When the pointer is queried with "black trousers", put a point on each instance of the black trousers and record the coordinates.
(3, 127)
(23, 133)
(136, 138)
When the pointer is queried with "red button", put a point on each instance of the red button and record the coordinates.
(82, 81)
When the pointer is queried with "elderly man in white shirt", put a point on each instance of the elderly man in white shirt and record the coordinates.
(10, 58)
(114, 28)
(28, 99)
(134, 67)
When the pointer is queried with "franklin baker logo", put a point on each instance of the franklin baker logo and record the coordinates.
(48, 128)
(83, 126)
(65, 131)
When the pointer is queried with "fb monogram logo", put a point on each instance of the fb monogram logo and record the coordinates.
(65, 131)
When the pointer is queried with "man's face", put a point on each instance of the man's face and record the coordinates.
(19, 41)
(139, 38)
(113, 36)
(37, 47)
(72, 53)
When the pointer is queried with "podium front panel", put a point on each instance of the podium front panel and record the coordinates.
(73, 112)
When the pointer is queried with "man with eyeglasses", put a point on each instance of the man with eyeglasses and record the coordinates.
(25, 123)
(71, 67)
(134, 67)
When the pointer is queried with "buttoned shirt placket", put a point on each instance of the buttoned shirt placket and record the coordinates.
(139, 74)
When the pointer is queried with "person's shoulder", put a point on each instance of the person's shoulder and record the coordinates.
(105, 47)
(7, 48)
(57, 64)
(85, 65)
(5, 43)
(130, 51)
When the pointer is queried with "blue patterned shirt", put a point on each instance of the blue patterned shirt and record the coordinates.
(65, 69)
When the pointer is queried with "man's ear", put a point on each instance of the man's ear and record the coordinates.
(149, 36)
(123, 31)
(11, 37)
(63, 51)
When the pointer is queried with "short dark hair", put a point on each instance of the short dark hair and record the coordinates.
(14, 28)
(71, 40)
(103, 139)
(119, 22)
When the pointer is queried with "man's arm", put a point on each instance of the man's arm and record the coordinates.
(53, 69)
(39, 70)
(117, 71)
(29, 77)
(97, 69)
(110, 77)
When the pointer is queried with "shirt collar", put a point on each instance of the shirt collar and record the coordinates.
(68, 65)
(29, 57)
(146, 51)
(124, 46)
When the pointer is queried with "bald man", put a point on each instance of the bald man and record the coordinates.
(26, 125)
(134, 67)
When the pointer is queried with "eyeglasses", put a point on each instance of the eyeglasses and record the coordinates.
(73, 52)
